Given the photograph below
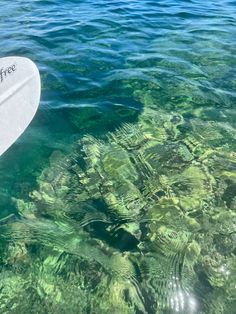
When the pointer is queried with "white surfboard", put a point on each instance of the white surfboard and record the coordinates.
(19, 98)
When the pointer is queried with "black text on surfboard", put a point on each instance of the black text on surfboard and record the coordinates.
(4, 72)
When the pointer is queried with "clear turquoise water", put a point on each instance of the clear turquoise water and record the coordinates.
(167, 67)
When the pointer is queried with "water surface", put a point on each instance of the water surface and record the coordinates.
(120, 196)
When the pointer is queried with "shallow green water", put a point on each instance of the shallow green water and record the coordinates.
(121, 195)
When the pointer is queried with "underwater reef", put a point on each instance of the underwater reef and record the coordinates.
(140, 220)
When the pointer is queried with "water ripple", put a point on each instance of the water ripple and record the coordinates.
(109, 70)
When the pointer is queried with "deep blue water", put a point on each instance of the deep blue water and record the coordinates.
(105, 65)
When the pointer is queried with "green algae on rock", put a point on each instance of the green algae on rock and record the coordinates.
(142, 212)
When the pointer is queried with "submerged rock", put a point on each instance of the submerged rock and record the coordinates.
(139, 221)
